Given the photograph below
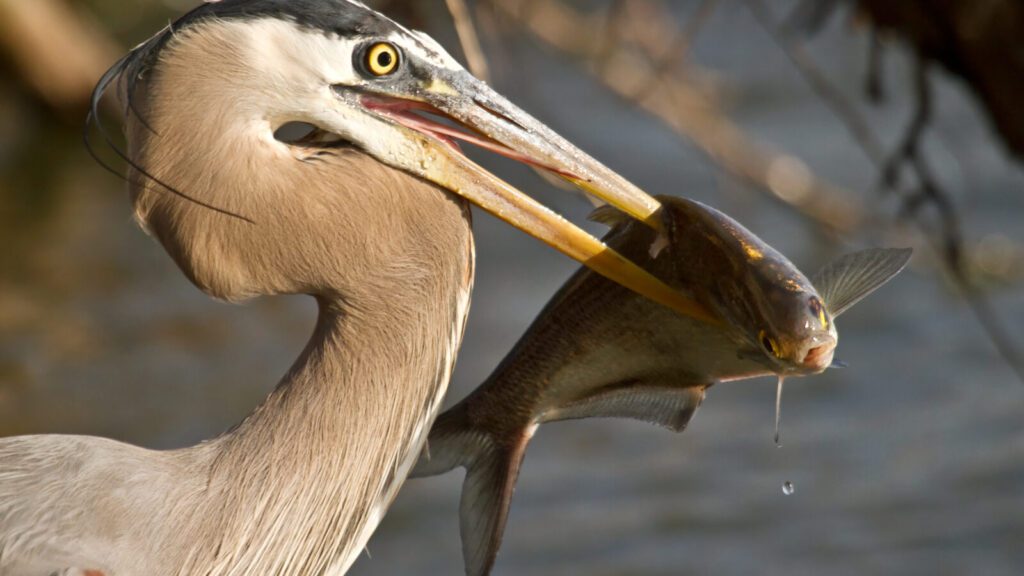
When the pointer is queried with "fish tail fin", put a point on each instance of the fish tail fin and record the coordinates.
(453, 442)
(492, 468)
(486, 499)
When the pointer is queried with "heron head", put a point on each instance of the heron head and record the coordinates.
(361, 80)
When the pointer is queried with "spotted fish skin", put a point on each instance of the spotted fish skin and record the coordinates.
(600, 350)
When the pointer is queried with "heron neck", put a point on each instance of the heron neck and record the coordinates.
(311, 472)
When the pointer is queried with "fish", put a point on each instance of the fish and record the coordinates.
(599, 350)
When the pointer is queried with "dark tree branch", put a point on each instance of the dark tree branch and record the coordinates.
(874, 87)
(948, 241)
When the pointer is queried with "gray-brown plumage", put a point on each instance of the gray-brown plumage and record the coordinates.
(597, 350)
(368, 214)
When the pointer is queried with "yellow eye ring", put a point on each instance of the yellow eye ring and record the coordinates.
(769, 343)
(382, 59)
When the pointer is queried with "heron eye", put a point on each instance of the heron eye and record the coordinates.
(769, 344)
(382, 59)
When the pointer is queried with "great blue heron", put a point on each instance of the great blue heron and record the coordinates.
(368, 213)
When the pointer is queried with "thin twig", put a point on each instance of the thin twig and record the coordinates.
(679, 50)
(469, 39)
(690, 113)
(59, 51)
(810, 16)
(909, 144)
(874, 87)
(612, 34)
(951, 244)
(834, 98)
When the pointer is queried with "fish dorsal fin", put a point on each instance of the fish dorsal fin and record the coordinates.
(844, 281)
(609, 216)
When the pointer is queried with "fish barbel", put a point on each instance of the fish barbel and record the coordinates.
(599, 350)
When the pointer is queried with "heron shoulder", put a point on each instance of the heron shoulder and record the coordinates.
(68, 501)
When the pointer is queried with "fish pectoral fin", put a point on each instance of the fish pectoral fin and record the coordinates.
(670, 405)
(609, 215)
(849, 278)
(486, 498)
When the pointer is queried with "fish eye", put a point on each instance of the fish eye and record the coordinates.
(382, 58)
(818, 310)
(769, 344)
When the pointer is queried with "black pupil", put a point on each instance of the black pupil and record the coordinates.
(384, 59)
(766, 343)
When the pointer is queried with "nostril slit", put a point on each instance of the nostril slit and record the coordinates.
(499, 114)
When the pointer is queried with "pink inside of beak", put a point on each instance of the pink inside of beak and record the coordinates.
(403, 112)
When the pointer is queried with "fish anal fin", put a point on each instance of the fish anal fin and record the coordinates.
(849, 278)
(669, 405)
(486, 498)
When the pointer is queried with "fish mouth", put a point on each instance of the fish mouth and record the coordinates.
(815, 355)
(819, 357)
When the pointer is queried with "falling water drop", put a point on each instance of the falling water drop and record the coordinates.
(778, 410)
(787, 486)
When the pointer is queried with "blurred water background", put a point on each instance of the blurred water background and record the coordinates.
(909, 462)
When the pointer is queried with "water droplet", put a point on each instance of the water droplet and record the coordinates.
(778, 411)
(788, 488)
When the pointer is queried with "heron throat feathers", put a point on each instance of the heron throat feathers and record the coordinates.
(337, 225)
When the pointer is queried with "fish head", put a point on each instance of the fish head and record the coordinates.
(771, 311)
(753, 295)
(792, 329)
(798, 317)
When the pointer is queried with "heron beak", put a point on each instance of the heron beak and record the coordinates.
(485, 119)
